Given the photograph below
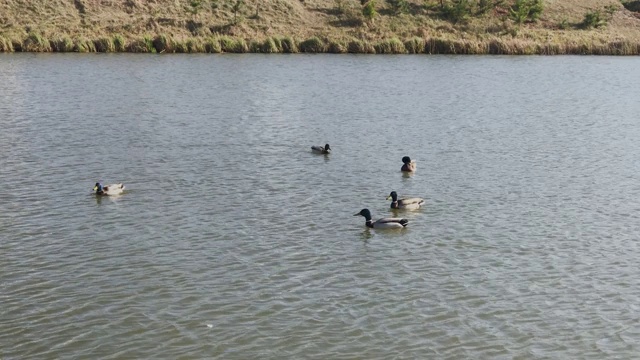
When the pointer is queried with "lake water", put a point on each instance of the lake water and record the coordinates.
(234, 241)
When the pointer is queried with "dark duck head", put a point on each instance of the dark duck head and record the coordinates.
(364, 212)
(407, 164)
(394, 199)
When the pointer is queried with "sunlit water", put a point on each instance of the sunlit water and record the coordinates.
(234, 241)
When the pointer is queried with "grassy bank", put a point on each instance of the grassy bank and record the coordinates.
(547, 27)
(287, 45)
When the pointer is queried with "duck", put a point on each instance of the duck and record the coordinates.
(405, 203)
(408, 164)
(384, 223)
(321, 150)
(113, 189)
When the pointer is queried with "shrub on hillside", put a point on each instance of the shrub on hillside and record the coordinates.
(526, 10)
(369, 10)
(399, 6)
(593, 19)
(484, 6)
(456, 10)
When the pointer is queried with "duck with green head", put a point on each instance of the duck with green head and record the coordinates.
(384, 223)
(109, 190)
(405, 203)
(321, 150)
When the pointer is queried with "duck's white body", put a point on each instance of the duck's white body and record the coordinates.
(110, 190)
(388, 223)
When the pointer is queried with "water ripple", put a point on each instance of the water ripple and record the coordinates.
(234, 241)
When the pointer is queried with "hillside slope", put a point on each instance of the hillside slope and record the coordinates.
(334, 25)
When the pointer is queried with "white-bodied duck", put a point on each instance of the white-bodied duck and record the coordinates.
(405, 203)
(321, 150)
(109, 190)
(384, 223)
(408, 164)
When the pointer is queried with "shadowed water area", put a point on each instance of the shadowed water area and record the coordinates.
(234, 241)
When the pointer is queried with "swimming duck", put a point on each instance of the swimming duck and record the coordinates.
(384, 223)
(405, 203)
(409, 165)
(321, 150)
(113, 189)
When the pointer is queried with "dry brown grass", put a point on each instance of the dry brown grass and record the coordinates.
(290, 26)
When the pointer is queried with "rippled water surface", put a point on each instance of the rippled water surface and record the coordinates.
(234, 241)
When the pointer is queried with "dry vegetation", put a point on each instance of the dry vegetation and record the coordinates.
(337, 26)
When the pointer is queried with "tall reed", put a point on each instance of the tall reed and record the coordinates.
(312, 45)
(357, 46)
(227, 44)
(415, 45)
(623, 47)
(36, 43)
(143, 45)
(119, 43)
(104, 44)
(437, 46)
(232, 45)
(180, 46)
(84, 45)
(212, 45)
(289, 45)
(194, 45)
(268, 46)
(551, 49)
(277, 41)
(164, 44)
(5, 45)
(337, 47)
(62, 43)
(390, 46)
(241, 46)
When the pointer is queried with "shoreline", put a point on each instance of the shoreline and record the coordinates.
(160, 44)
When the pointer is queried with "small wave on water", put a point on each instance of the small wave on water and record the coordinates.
(234, 241)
